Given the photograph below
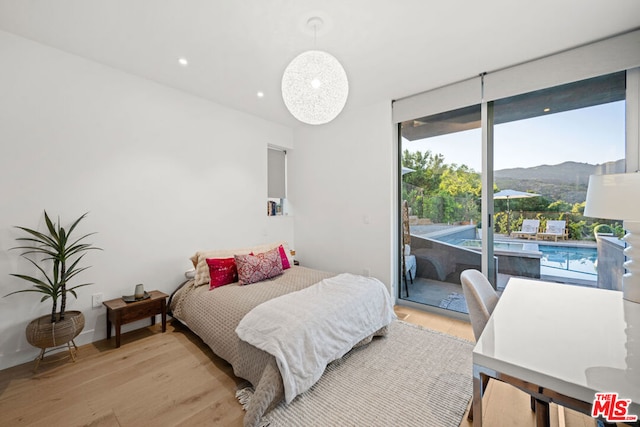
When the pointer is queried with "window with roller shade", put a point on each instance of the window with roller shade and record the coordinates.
(592, 89)
(276, 181)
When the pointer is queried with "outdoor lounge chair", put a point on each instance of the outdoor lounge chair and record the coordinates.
(529, 229)
(554, 230)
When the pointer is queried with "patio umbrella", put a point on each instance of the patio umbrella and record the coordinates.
(406, 170)
(508, 195)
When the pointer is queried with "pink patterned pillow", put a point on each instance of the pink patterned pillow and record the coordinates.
(283, 257)
(222, 271)
(254, 268)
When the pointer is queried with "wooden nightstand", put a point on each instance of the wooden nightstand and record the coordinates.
(120, 312)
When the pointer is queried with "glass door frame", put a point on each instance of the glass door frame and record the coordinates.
(632, 162)
(487, 209)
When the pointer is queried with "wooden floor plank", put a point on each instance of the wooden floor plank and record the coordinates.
(173, 379)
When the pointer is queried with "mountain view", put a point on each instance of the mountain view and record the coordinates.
(565, 181)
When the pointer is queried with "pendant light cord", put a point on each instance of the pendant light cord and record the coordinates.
(315, 36)
(315, 23)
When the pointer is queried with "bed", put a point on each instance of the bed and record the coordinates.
(214, 315)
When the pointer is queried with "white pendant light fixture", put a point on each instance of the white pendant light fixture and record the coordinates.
(315, 85)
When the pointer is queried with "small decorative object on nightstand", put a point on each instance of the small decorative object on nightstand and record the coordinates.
(139, 292)
(120, 312)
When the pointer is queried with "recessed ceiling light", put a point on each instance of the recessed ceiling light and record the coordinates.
(260, 94)
(183, 62)
(546, 110)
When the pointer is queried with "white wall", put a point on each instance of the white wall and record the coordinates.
(161, 173)
(341, 183)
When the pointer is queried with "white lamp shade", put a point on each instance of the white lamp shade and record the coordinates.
(315, 87)
(615, 196)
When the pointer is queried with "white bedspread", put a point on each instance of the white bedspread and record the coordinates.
(307, 329)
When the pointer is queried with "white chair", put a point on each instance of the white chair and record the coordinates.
(554, 230)
(481, 299)
(410, 266)
(529, 229)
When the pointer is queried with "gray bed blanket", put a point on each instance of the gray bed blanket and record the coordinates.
(214, 316)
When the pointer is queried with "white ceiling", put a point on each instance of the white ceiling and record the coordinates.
(390, 49)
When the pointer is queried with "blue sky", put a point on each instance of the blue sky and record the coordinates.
(591, 135)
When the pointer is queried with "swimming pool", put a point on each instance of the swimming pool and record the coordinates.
(577, 259)
(502, 246)
(557, 257)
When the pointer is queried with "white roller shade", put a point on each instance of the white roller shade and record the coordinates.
(633, 120)
(446, 98)
(276, 167)
(604, 57)
(595, 59)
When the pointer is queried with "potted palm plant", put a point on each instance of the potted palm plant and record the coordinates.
(62, 256)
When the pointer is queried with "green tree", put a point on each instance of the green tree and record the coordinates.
(439, 191)
(559, 206)
(529, 204)
(428, 169)
(460, 181)
(578, 208)
(460, 188)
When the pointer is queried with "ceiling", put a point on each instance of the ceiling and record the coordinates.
(236, 48)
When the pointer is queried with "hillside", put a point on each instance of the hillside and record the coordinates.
(565, 181)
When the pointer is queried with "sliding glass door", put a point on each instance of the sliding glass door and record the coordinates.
(440, 196)
(543, 148)
(546, 144)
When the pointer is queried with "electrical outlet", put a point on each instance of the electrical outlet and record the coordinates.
(96, 300)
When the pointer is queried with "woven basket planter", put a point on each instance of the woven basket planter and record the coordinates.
(43, 334)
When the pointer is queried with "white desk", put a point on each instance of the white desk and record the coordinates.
(561, 344)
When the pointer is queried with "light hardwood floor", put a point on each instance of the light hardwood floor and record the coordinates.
(503, 405)
(173, 379)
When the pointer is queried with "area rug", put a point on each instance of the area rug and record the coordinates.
(412, 377)
(455, 301)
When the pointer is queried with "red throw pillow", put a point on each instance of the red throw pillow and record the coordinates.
(254, 268)
(283, 257)
(222, 271)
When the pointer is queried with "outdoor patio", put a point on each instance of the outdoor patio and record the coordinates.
(434, 288)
